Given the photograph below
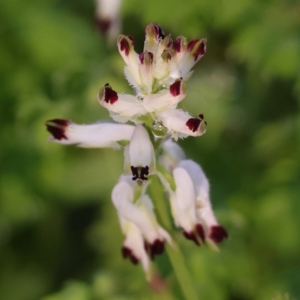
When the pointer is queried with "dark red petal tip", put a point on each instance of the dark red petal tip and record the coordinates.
(200, 50)
(200, 231)
(175, 88)
(178, 44)
(146, 57)
(218, 233)
(191, 236)
(156, 248)
(193, 124)
(103, 25)
(127, 253)
(160, 32)
(110, 96)
(124, 44)
(57, 128)
(139, 172)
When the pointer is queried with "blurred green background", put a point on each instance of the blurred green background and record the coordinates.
(59, 234)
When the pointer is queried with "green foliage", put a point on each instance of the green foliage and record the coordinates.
(59, 234)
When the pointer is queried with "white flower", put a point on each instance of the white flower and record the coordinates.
(192, 186)
(99, 135)
(140, 213)
(108, 17)
(139, 155)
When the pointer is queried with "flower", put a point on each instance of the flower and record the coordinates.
(108, 18)
(146, 126)
(191, 204)
(138, 223)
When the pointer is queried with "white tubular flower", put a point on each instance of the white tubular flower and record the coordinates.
(213, 231)
(121, 107)
(131, 59)
(139, 155)
(108, 17)
(134, 246)
(183, 206)
(141, 214)
(187, 55)
(181, 124)
(99, 135)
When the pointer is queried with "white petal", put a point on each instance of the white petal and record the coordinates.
(177, 122)
(122, 106)
(196, 50)
(134, 242)
(203, 206)
(139, 214)
(185, 199)
(166, 99)
(131, 58)
(95, 135)
(108, 17)
(141, 151)
(108, 9)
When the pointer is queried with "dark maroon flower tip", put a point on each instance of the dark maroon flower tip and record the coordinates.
(160, 33)
(146, 55)
(57, 128)
(178, 44)
(124, 44)
(193, 124)
(191, 236)
(175, 88)
(127, 253)
(200, 50)
(110, 95)
(156, 248)
(200, 231)
(139, 172)
(218, 233)
(103, 25)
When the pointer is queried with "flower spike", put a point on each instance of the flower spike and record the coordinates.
(159, 77)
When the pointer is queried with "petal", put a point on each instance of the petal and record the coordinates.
(195, 50)
(183, 203)
(167, 98)
(153, 35)
(133, 246)
(108, 17)
(180, 48)
(95, 135)
(139, 214)
(108, 10)
(145, 71)
(181, 124)
(141, 153)
(122, 107)
(131, 59)
(204, 211)
(171, 156)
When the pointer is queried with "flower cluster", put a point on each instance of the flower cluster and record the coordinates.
(146, 126)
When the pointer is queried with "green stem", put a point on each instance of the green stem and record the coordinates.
(181, 271)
